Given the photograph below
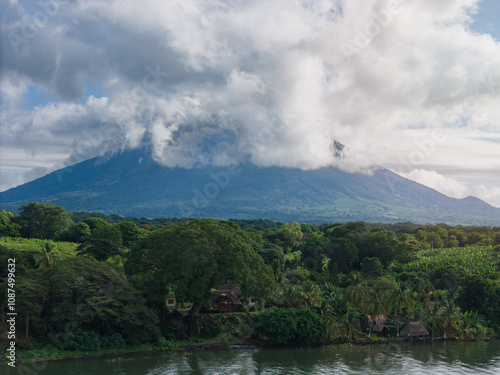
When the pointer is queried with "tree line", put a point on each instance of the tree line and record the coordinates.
(315, 283)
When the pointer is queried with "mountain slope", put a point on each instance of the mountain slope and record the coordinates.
(131, 183)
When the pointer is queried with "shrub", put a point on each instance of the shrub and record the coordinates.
(291, 326)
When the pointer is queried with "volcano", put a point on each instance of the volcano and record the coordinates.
(131, 183)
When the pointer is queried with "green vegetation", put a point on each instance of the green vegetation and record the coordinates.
(35, 245)
(313, 284)
(475, 260)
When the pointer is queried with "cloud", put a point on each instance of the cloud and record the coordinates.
(273, 83)
(453, 187)
(448, 186)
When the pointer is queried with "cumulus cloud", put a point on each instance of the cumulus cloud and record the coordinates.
(448, 186)
(453, 187)
(273, 83)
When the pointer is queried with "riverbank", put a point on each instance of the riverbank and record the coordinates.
(209, 344)
(49, 353)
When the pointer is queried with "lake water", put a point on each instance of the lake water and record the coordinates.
(403, 359)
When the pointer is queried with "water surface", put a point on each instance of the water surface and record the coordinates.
(402, 359)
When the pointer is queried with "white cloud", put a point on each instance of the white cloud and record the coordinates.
(216, 81)
(448, 186)
(453, 187)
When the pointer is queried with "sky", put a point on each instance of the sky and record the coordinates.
(409, 85)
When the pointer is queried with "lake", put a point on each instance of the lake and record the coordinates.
(408, 359)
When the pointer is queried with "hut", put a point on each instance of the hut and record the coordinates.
(252, 301)
(226, 298)
(414, 329)
(377, 324)
(171, 302)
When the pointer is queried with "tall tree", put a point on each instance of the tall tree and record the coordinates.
(450, 317)
(311, 293)
(49, 255)
(355, 295)
(104, 242)
(401, 298)
(195, 257)
(7, 226)
(43, 220)
(377, 303)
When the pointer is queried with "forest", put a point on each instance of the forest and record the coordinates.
(88, 282)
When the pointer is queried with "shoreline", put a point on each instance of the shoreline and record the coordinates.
(215, 346)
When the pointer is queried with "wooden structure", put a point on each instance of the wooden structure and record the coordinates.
(377, 324)
(252, 301)
(414, 329)
(171, 303)
(226, 298)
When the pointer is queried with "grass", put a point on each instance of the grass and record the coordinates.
(35, 244)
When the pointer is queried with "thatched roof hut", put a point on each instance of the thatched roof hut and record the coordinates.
(377, 324)
(415, 329)
(227, 294)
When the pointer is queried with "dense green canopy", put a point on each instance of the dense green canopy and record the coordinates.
(195, 257)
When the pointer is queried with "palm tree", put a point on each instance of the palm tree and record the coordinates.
(402, 298)
(354, 295)
(450, 317)
(290, 296)
(351, 322)
(472, 325)
(332, 300)
(466, 329)
(377, 304)
(426, 289)
(47, 259)
(310, 292)
(432, 319)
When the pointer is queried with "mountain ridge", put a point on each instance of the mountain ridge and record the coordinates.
(131, 183)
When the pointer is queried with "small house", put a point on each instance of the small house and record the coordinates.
(377, 324)
(171, 303)
(252, 301)
(414, 329)
(226, 298)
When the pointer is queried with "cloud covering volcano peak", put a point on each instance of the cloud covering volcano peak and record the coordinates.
(273, 83)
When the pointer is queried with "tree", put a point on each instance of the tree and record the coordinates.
(401, 299)
(377, 303)
(289, 296)
(8, 227)
(314, 250)
(452, 242)
(47, 259)
(95, 222)
(130, 233)
(432, 318)
(351, 321)
(481, 295)
(76, 233)
(311, 293)
(355, 295)
(372, 266)
(379, 243)
(450, 317)
(342, 252)
(295, 325)
(289, 236)
(425, 289)
(43, 220)
(83, 293)
(195, 257)
(104, 242)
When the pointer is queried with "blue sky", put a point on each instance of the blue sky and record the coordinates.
(487, 18)
(412, 86)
